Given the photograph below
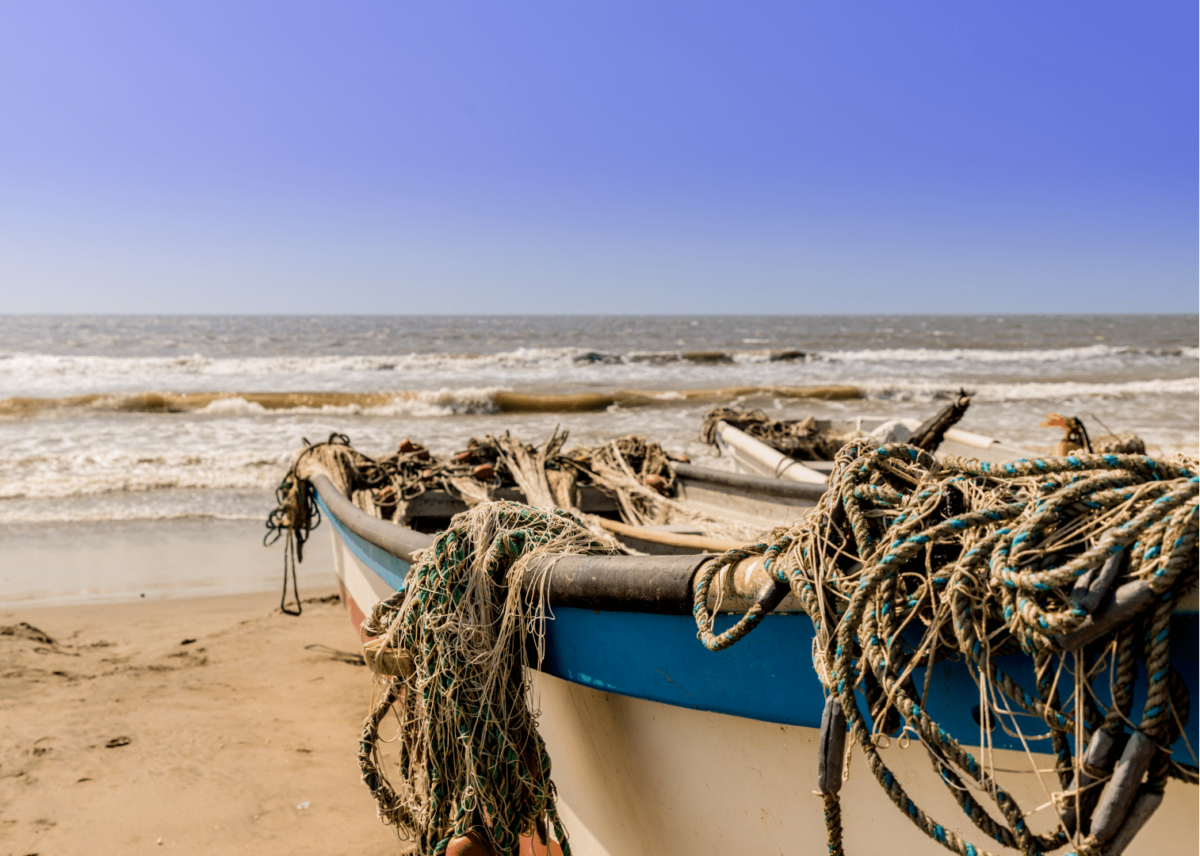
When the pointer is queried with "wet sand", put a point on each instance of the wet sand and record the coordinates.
(202, 725)
(113, 561)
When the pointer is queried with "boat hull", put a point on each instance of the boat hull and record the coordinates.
(754, 457)
(660, 746)
(642, 777)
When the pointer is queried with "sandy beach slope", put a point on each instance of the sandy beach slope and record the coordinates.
(204, 725)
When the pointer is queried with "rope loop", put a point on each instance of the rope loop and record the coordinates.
(705, 619)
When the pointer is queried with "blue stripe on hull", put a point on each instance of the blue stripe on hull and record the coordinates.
(768, 675)
(387, 567)
(658, 657)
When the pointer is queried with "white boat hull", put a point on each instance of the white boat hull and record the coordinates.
(643, 777)
(753, 457)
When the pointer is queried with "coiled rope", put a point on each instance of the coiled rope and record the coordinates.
(906, 561)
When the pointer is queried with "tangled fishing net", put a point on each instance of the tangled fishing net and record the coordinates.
(469, 759)
(1076, 562)
(384, 487)
(634, 472)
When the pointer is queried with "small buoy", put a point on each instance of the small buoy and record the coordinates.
(408, 447)
(484, 472)
(657, 483)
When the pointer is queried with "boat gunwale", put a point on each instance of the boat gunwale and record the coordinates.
(759, 484)
(655, 584)
(655, 648)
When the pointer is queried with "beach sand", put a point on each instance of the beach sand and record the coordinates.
(122, 560)
(201, 725)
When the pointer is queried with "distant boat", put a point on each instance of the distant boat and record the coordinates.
(751, 455)
(662, 747)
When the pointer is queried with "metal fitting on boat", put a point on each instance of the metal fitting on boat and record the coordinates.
(1119, 793)
(831, 751)
(1144, 805)
(1102, 753)
(1091, 588)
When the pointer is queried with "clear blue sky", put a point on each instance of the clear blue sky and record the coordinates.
(588, 156)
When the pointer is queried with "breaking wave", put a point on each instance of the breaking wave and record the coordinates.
(1057, 391)
(1086, 354)
(443, 402)
(22, 367)
(483, 400)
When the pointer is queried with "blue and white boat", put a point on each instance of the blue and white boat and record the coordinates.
(662, 747)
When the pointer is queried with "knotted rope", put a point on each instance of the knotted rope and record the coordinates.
(906, 561)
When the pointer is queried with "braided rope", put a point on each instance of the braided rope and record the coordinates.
(978, 560)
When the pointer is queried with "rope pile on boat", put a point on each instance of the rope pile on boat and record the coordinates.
(383, 487)
(1076, 562)
(633, 471)
(469, 759)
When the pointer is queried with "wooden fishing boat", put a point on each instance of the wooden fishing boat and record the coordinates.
(660, 746)
(751, 455)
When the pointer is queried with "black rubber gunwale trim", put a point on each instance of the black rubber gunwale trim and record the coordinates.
(654, 584)
(392, 539)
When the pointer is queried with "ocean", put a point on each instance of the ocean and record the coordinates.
(109, 423)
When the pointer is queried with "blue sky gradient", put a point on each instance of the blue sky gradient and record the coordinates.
(598, 157)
